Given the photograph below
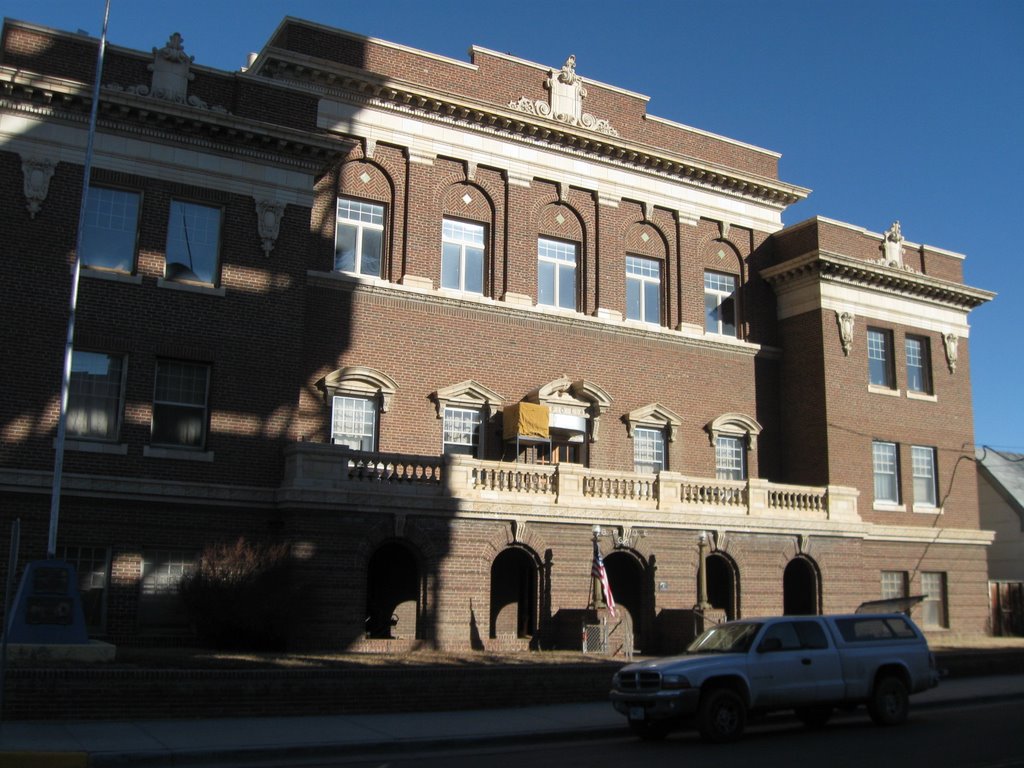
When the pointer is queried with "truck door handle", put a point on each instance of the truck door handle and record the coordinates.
(805, 662)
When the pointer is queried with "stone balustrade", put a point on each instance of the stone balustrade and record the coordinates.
(317, 466)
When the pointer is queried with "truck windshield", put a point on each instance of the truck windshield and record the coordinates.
(734, 637)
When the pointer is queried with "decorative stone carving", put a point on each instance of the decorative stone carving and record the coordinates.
(845, 320)
(268, 220)
(734, 424)
(37, 171)
(172, 73)
(566, 104)
(892, 246)
(951, 343)
(518, 530)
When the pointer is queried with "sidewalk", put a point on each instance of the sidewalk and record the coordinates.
(141, 743)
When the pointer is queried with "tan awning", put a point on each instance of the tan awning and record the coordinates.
(525, 420)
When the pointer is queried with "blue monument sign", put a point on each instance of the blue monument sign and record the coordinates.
(48, 608)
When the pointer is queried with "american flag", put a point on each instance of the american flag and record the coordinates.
(599, 573)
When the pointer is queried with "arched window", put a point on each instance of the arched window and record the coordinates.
(357, 395)
(651, 428)
(732, 435)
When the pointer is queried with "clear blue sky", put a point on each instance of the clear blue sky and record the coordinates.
(887, 109)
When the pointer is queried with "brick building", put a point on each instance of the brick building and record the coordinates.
(440, 326)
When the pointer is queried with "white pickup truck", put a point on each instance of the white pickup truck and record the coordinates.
(810, 664)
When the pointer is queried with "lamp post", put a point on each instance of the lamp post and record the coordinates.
(702, 574)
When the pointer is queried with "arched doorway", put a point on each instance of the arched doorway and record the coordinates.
(723, 584)
(801, 593)
(513, 594)
(628, 579)
(393, 593)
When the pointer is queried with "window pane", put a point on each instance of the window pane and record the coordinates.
(634, 307)
(193, 241)
(730, 458)
(474, 270)
(719, 303)
(160, 605)
(345, 248)
(894, 584)
(370, 256)
(567, 286)
(652, 302)
(450, 256)
(933, 609)
(546, 283)
(179, 404)
(710, 313)
(918, 365)
(648, 450)
(354, 422)
(924, 475)
(111, 222)
(879, 362)
(461, 430)
(94, 397)
(885, 470)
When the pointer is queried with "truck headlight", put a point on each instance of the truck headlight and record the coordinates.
(674, 682)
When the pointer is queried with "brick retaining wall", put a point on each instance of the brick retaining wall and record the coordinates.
(108, 694)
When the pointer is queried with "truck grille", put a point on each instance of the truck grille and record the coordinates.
(639, 681)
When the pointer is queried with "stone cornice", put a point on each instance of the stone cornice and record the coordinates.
(354, 85)
(836, 268)
(120, 110)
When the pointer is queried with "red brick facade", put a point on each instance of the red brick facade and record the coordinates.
(490, 550)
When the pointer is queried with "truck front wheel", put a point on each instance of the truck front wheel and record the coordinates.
(890, 702)
(722, 715)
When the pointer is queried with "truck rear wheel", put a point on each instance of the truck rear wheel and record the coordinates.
(722, 715)
(890, 702)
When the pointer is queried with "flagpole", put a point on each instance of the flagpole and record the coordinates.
(65, 383)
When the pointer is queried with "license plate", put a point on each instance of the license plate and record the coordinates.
(636, 713)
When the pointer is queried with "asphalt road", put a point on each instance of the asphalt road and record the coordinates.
(972, 736)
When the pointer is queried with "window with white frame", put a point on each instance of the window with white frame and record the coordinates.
(359, 238)
(885, 460)
(643, 289)
(919, 365)
(110, 229)
(180, 404)
(95, 396)
(720, 303)
(925, 486)
(730, 458)
(462, 256)
(648, 450)
(193, 243)
(894, 585)
(556, 273)
(462, 431)
(354, 422)
(934, 607)
(160, 605)
(880, 360)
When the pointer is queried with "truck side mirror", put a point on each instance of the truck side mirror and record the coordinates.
(770, 644)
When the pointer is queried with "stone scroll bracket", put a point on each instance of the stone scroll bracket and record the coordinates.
(268, 220)
(37, 172)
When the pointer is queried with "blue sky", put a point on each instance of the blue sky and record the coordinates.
(887, 109)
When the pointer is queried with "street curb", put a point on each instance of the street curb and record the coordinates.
(44, 760)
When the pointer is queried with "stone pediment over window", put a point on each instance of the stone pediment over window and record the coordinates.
(736, 425)
(570, 401)
(359, 381)
(467, 394)
(655, 416)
